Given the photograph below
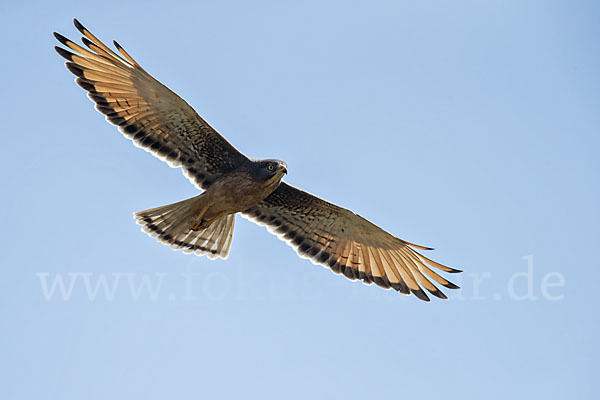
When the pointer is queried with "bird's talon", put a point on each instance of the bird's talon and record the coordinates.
(196, 225)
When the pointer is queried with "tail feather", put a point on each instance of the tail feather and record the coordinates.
(170, 224)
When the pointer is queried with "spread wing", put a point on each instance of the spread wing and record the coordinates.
(147, 112)
(347, 243)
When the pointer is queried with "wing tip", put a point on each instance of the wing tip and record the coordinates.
(85, 84)
(439, 294)
(62, 39)
(400, 287)
(64, 53)
(74, 69)
(420, 294)
(125, 54)
(79, 26)
(436, 264)
(88, 42)
(418, 246)
(451, 285)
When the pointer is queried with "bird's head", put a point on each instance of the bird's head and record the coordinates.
(266, 170)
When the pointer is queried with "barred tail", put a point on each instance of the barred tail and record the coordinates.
(171, 225)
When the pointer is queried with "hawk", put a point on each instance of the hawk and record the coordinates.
(159, 121)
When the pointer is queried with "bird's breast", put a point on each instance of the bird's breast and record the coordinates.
(239, 192)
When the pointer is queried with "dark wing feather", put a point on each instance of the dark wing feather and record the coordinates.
(149, 113)
(347, 243)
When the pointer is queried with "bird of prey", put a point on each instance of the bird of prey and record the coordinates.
(159, 121)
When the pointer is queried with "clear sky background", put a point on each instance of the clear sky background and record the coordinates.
(472, 127)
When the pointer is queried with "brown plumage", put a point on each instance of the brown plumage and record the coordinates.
(159, 121)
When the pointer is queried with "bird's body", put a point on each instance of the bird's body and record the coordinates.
(159, 121)
(236, 192)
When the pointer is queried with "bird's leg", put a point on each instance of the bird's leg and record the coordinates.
(207, 222)
(198, 221)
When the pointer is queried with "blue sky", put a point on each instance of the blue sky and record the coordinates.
(472, 127)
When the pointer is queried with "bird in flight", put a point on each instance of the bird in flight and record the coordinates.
(159, 121)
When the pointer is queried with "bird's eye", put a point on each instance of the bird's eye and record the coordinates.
(270, 167)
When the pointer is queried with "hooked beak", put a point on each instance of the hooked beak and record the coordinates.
(283, 168)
